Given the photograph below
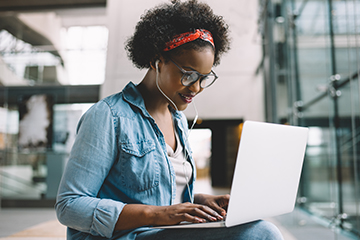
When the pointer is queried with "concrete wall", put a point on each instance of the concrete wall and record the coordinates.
(45, 23)
(238, 93)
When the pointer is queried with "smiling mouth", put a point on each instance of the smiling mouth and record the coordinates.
(187, 98)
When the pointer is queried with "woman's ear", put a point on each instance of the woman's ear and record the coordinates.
(155, 64)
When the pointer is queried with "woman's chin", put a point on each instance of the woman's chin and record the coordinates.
(182, 107)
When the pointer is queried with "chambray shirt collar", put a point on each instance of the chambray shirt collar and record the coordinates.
(132, 95)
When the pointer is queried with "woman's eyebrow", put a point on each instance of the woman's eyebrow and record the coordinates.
(189, 68)
(195, 70)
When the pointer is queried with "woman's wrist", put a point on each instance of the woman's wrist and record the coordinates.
(199, 198)
(151, 214)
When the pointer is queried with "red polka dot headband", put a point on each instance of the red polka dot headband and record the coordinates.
(189, 37)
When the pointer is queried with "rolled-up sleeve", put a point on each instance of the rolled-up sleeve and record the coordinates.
(91, 158)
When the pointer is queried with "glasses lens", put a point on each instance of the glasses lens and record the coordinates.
(189, 78)
(207, 81)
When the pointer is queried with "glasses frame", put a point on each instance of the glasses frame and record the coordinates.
(200, 76)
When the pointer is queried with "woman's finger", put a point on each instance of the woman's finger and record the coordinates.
(190, 218)
(207, 213)
(219, 210)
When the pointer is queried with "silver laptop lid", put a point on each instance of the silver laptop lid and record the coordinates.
(267, 171)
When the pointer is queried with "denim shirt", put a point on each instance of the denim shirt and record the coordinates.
(119, 157)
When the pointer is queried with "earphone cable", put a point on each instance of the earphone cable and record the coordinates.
(188, 133)
(157, 84)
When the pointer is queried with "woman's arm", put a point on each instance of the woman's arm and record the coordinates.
(92, 156)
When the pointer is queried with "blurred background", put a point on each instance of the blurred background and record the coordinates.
(292, 62)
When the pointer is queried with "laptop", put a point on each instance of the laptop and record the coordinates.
(266, 176)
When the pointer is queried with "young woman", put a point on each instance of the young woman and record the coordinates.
(131, 165)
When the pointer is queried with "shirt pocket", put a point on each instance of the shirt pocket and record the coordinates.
(139, 165)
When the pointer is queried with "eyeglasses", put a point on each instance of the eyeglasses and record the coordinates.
(191, 77)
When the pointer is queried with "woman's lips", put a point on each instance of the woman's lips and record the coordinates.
(187, 97)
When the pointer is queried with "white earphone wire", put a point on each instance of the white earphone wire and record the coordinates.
(188, 133)
(157, 84)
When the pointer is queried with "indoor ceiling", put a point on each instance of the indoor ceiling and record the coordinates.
(19, 29)
(34, 5)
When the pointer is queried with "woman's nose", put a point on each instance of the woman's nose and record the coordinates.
(196, 87)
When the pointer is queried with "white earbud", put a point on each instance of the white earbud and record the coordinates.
(157, 64)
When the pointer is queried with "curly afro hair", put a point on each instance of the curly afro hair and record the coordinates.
(160, 24)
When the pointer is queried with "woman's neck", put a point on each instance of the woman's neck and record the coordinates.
(157, 106)
(155, 102)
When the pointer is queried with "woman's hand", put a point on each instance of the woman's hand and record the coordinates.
(217, 203)
(207, 208)
(137, 215)
(195, 213)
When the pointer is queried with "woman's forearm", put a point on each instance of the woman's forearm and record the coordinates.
(136, 215)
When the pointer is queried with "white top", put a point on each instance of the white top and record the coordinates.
(181, 167)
